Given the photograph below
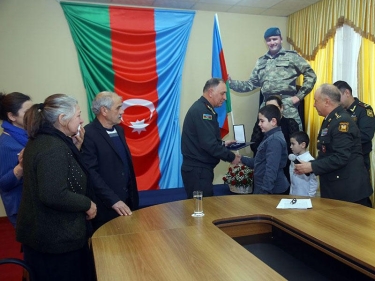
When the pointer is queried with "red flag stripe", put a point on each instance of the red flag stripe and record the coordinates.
(223, 66)
(134, 64)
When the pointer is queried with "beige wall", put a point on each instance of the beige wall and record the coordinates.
(38, 57)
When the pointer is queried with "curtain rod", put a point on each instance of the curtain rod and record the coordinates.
(101, 4)
(122, 5)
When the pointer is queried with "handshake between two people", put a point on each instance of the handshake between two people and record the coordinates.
(237, 159)
(300, 167)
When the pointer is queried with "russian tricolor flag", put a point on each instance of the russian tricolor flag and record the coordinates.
(219, 70)
(139, 54)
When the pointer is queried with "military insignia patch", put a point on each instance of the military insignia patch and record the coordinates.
(207, 117)
(369, 112)
(324, 132)
(354, 117)
(344, 127)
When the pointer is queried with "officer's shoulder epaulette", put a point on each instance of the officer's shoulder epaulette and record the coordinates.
(210, 108)
(368, 108)
(362, 104)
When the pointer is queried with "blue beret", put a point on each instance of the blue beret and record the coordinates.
(272, 31)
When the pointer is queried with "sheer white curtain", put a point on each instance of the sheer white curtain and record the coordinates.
(345, 59)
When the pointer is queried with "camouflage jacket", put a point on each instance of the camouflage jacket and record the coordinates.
(277, 75)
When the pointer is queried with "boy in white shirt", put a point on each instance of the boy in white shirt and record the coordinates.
(305, 184)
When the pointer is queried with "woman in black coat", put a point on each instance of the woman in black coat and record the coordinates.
(55, 207)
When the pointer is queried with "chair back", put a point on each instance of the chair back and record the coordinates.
(21, 263)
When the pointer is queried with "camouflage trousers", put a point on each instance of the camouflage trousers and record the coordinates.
(290, 110)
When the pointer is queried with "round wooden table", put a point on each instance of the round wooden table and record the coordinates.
(164, 242)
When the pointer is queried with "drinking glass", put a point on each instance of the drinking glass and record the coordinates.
(198, 203)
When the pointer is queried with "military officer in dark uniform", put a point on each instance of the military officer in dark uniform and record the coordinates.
(201, 145)
(363, 116)
(339, 164)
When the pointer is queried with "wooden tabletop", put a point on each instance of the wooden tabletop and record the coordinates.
(164, 242)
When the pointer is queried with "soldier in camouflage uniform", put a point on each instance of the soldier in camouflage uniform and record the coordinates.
(363, 116)
(276, 73)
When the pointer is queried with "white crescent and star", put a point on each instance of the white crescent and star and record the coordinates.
(139, 125)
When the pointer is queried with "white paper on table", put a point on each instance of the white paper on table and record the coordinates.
(300, 204)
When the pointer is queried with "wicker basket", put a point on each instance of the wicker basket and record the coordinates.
(241, 189)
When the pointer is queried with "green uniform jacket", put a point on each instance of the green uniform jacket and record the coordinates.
(339, 164)
(363, 116)
(201, 144)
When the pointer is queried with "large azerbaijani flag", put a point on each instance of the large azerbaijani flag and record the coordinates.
(139, 54)
(219, 70)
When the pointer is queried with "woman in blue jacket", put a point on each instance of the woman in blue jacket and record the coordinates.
(12, 141)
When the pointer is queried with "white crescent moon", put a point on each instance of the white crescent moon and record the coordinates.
(141, 102)
(139, 125)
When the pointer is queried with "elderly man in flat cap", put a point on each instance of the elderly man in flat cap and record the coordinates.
(276, 73)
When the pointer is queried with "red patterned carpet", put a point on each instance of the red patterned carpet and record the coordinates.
(9, 248)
